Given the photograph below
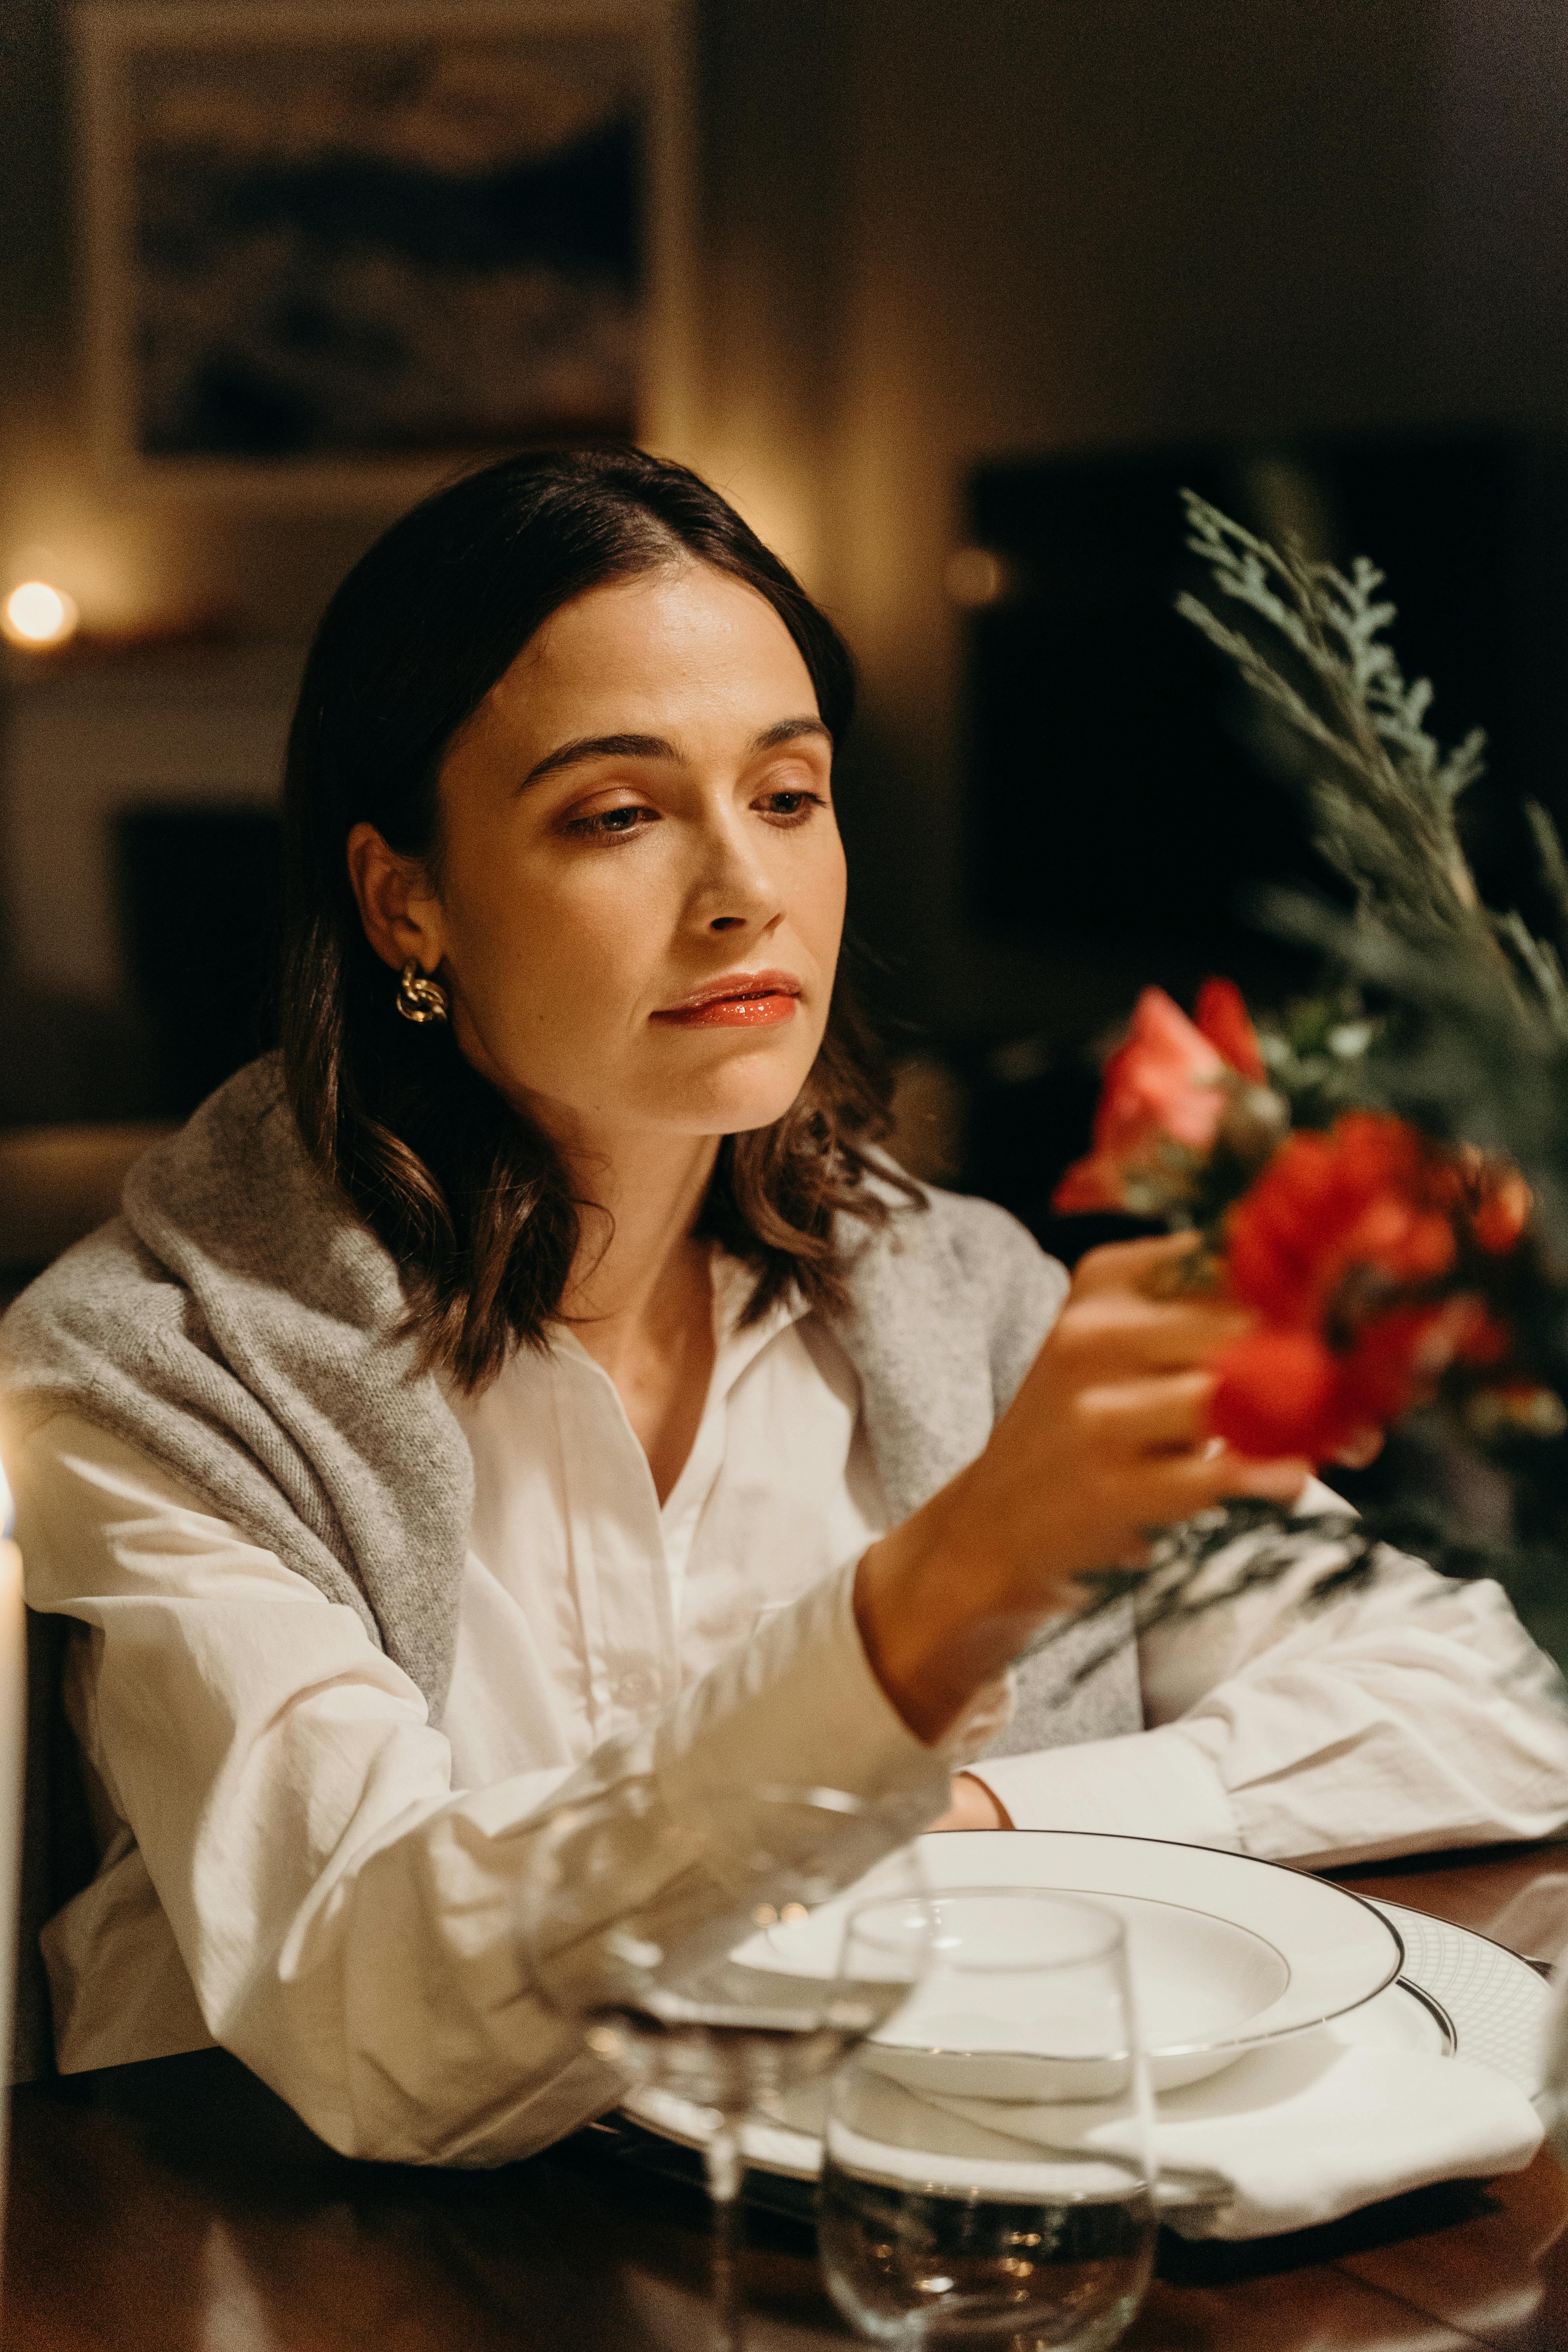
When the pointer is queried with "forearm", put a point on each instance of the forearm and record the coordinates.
(936, 1622)
(371, 1969)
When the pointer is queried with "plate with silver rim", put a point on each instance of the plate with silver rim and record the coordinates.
(1371, 1973)
(1484, 2003)
(1226, 1952)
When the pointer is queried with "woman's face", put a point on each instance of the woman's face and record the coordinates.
(641, 885)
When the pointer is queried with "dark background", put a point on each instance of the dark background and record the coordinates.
(961, 270)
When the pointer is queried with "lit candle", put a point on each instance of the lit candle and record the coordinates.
(13, 1745)
(36, 614)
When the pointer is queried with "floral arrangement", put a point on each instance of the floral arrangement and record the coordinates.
(1381, 1173)
(1378, 1261)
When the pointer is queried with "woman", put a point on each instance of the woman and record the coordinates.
(536, 1376)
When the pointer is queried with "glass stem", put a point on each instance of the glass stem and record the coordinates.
(726, 2165)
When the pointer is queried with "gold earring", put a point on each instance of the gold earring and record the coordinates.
(419, 998)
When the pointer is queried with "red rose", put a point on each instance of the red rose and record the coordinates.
(1363, 1199)
(1278, 1396)
(1166, 1086)
(1222, 1017)
(1328, 1245)
(1287, 1391)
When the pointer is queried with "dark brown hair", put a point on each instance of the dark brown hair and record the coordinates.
(469, 1196)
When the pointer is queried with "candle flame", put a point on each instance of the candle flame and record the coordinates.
(36, 614)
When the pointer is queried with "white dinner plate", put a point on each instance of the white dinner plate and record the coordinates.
(1226, 1952)
(1456, 1993)
(1490, 2007)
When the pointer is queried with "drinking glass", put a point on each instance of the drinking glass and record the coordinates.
(690, 1950)
(987, 2176)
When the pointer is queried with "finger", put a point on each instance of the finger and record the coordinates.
(1150, 1416)
(1196, 1482)
(1118, 1265)
(1231, 1477)
(1115, 1327)
(1363, 1447)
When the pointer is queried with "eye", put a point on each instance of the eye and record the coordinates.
(613, 823)
(790, 805)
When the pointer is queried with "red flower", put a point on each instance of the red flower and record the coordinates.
(1330, 1245)
(1285, 1392)
(1166, 1086)
(1502, 1209)
(1484, 1339)
(1362, 1200)
(1222, 1017)
(1278, 1396)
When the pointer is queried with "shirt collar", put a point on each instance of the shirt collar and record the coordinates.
(736, 1346)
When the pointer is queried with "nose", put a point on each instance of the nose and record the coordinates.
(734, 889)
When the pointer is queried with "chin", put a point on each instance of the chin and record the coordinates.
(735, 1110)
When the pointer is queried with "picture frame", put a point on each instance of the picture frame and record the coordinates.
(334, 253)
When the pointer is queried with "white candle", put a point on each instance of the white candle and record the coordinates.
(13, 1745)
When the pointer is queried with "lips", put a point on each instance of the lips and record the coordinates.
(737, 1000)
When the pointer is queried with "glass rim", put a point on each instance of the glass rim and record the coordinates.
(1109, 1941)
(655, 1785)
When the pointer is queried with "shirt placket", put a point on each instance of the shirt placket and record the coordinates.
(617, 1550)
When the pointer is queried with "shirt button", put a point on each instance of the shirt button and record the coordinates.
(635, 1688)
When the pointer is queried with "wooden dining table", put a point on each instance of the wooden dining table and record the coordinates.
(179, 2206)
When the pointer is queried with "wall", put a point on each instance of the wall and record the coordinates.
(935, 229)
(1089, 223)
(135, 562)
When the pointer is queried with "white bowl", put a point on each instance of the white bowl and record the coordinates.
(1199, 1984)
(1226, 1951)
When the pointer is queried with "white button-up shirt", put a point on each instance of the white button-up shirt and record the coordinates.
(585, 1604)
(297, 1864)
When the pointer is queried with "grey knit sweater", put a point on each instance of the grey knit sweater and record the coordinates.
(239, 1323)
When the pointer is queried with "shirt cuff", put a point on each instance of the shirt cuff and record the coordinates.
(1155, 1784)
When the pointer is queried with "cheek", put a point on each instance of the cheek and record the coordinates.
(819, 896)
(552, 955)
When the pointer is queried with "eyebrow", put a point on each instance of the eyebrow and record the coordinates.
(656, 747)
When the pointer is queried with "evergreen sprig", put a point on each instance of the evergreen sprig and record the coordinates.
(1470, 1040)
(1382, 789)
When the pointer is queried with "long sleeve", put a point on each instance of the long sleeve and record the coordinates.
(1412, 1713)
(278, 1804)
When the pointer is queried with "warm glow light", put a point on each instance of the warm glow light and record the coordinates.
(37, 614)
(977, 577)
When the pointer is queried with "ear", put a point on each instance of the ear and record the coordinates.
(401, 914)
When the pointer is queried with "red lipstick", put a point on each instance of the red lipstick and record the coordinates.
(737, 1000)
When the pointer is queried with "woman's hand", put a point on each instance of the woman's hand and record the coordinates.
(973, 1807)
(1106, 1441)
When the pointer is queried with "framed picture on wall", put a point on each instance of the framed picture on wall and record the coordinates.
(334, 250)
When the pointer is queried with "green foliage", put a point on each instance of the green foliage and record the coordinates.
(1315, 1053)
(1435, 1006)
(1473, 1042)
(1382, 790)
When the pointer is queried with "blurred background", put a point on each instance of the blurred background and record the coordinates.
(949, 295)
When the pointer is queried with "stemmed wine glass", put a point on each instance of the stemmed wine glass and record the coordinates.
(687, 1945)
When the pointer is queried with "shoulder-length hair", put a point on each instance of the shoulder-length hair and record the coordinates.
(469, 1195)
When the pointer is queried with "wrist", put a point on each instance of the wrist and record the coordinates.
(938, 1615)
(973, 1806)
